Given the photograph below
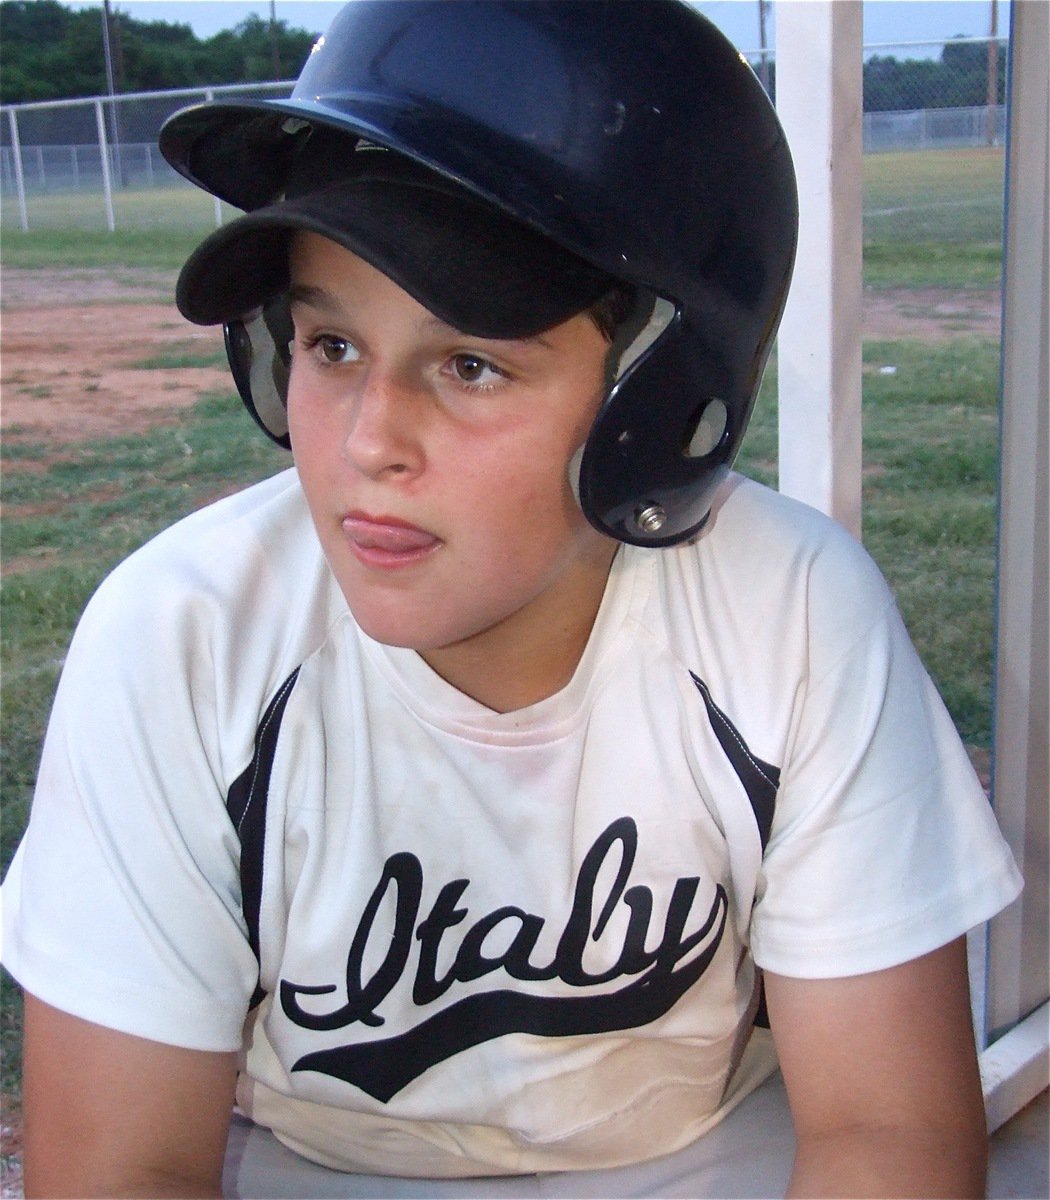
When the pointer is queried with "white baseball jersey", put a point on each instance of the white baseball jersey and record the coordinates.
(480, 942)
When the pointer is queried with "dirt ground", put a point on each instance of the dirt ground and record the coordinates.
(74, 347)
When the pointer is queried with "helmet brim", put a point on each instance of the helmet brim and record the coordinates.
(467, 263)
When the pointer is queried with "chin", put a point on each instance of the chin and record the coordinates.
(409, 632)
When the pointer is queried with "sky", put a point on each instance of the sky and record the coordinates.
(885, 21)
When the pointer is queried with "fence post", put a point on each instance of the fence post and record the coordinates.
(20, 179)
(209, 96)
(107, 185)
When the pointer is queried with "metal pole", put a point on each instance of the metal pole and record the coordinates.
(20, 179)
(763, 62)
(1018, 937)
(107, 185)
(114, 136)
(209, 95)
(275, 48)
(993, 76)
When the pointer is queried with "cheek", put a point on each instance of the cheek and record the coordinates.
(527, 488)
(312, 426)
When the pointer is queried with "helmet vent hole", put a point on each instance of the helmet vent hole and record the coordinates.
(710, 429)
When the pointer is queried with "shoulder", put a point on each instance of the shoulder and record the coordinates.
(769, 570)
(239, 586)
(258, 540)
(220, 539)
(756, 528)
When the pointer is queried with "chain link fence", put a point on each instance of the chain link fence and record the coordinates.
(934, 127)
(94, 163)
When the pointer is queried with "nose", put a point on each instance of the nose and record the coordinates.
(383, 434)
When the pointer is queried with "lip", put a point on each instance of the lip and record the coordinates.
(387, 541)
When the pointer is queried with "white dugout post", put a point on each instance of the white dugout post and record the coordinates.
(1015, 1065)
(820, 101)
(819, 47)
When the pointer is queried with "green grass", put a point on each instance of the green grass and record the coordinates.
(176, 357)
(64, 529)
(158, 249)
(933, 219)
(934, 196)
(932, 264)
(162, 211)
(930, 509)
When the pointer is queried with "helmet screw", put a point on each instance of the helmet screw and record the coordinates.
(651, 518)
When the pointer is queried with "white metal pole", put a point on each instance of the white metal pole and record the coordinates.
(819, 98)
(1018, 937)
(20, 179)
(107, 183)
(209, 95)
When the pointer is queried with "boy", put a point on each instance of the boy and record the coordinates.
(442, 796)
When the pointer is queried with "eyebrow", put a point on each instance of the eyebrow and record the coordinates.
(314, 297)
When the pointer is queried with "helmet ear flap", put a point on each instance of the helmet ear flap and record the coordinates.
(662, 443)
(259, 354)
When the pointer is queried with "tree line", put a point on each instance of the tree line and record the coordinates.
(51, 52)
(958, 79)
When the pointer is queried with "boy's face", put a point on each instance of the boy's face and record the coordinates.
(436, 467)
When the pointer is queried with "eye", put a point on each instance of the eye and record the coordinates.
(476, 371)
(333, 349)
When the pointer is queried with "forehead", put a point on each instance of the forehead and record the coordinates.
(331, 279)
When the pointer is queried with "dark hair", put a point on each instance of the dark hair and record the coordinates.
(610, 311)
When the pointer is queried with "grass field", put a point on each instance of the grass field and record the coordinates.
(929, 488)
(934, 196)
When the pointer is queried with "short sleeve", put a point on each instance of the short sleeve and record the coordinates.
(122, 905)
(884, 846)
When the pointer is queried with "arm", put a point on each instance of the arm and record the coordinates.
(882, 1080)
(108, 1114)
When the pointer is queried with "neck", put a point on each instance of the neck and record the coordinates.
(533, 653)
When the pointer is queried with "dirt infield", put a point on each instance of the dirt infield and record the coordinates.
(82, 354)
(82, 351)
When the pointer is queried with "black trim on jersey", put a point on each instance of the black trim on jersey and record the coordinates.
(760, 779)
(247, 798)
(246, 804)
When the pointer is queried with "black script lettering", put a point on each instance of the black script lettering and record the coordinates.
(660, 976)
(471, 963)
(383, 1068)
(406, 872)
(442, 916)
(578, 930)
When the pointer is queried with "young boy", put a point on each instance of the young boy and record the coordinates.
(442, 797)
